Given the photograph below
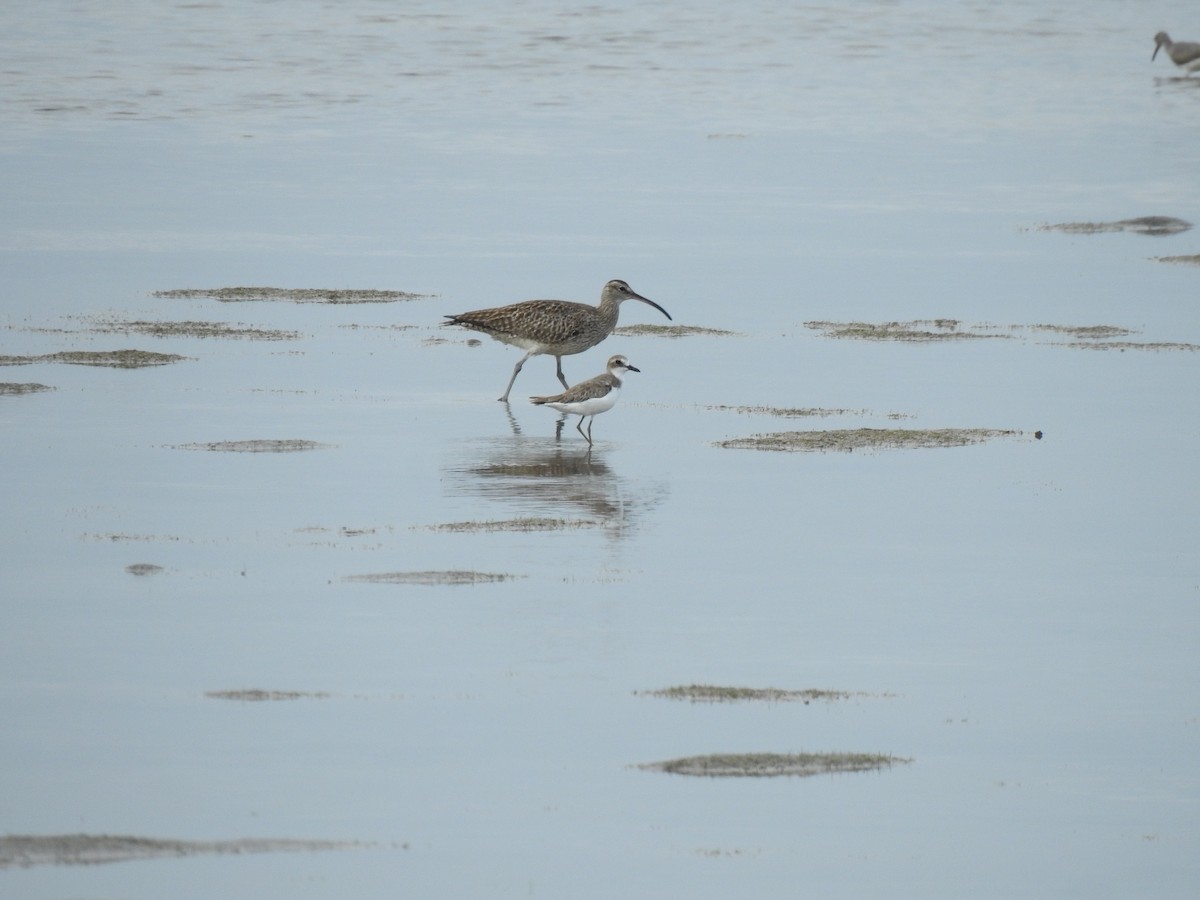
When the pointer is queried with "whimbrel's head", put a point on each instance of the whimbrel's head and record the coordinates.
(617, 291)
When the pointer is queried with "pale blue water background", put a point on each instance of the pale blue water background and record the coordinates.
(1025, 613)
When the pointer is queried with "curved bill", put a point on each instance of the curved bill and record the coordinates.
(636, 296)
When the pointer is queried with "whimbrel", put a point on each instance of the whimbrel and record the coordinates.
(556, 327)
(1185, 54)
(592, 397)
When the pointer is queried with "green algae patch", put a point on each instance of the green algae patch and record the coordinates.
(848, 439)
(453, 576)
(774, 765)
(16, 389)
(115, 359)
(711, 693)
(287, 445)
(289, 295)
(194, 329)
(257, 695)
(531, 523)
(26, 850)
(1154, 226)
(671, 331)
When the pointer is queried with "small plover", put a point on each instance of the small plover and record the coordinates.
(590, 398)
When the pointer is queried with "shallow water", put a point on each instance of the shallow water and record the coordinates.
(1020, 616)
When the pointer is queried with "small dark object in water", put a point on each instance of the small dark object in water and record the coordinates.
(143, 569)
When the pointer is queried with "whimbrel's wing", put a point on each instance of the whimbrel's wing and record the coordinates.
(549, 321)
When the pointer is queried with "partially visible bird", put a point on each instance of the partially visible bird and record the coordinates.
(1185, 54)
(591, 397)
(557, 327)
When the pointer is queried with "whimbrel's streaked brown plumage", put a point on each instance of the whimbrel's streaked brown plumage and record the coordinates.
(555, 327)
(590, 398)
(1184, 54)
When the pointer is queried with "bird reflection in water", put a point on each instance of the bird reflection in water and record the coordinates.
(555, 480)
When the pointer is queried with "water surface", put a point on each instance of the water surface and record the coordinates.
(1016, 617)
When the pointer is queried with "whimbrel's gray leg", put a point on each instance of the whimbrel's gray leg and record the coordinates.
(558, 359)
(516, 371)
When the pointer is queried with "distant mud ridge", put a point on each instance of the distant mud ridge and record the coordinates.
(24, 851)
(848, 439)
(1155, 226)
(453, 576)
(115, 359)
(1188, 260)
(774, 765)
(1135, 345)
(671, 331)
(532, 523)
(793, 412)
(14, 389)
(917, 331)
(257, 695)
(288, 295)
(1099, 337)
(1087, 337)
(287, 445)
(711, 693)
(1082, 332)
(193, 329)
